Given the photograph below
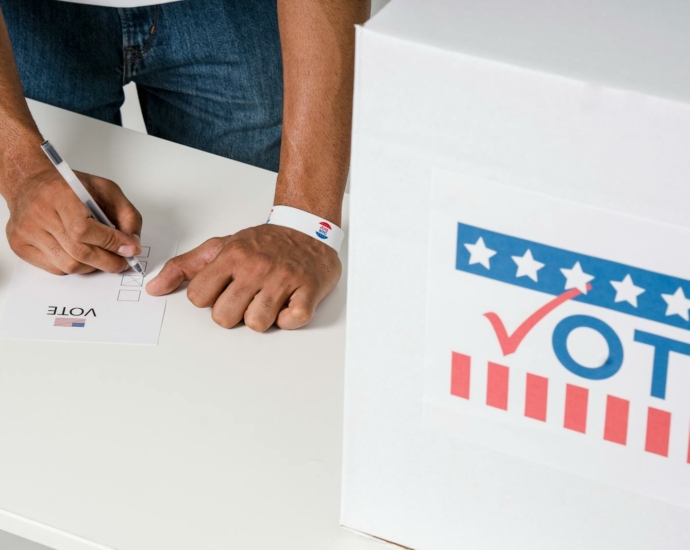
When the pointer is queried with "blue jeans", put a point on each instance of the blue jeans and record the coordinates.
(208, 72)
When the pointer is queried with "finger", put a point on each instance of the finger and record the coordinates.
(183, 268)
(300, 310)
(80, 227)
(263, 310)
(57, 256)
(208, 285)
(232, 303)
(118, 209)
(36, 258)
(91, 255)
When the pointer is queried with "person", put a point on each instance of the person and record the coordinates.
(264, 82)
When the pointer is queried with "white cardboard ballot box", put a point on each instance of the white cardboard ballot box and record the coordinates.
(518, 348)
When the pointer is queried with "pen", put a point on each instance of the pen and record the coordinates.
(83, 195)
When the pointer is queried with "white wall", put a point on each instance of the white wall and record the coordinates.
(131, 112)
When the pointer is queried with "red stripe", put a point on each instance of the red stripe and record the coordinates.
(460, 376)
(497, 387)
(576, 399)
(536, 395)
(658, 431)
(616, 426)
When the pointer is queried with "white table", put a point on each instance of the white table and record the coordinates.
(214, 439)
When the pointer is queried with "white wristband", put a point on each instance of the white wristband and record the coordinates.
(304, 222)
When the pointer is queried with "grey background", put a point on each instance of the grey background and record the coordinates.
(10, 542)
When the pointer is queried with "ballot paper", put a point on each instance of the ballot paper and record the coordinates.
(98, 307)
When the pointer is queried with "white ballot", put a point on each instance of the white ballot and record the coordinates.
(98, 307)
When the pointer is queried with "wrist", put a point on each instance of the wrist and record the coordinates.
(305, 222)
(316, 194)
(331, 214)
(21, 158)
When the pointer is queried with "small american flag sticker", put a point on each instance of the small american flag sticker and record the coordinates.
(69, 322)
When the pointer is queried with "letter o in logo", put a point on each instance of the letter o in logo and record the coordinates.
(559, 341)
(80, 310)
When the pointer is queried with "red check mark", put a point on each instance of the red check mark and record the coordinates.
(509, 343)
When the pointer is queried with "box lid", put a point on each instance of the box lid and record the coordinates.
(629, 44)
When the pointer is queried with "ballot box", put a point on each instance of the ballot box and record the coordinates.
(518, 342)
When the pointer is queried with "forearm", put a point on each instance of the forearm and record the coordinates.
(18, 131)
(318, 42)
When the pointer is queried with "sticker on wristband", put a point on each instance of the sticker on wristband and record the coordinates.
(309, 224)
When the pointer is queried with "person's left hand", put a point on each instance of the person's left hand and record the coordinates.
(266, 274)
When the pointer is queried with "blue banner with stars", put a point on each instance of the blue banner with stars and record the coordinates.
(611, 285)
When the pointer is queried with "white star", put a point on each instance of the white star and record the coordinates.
(527, 265)
(576, 278)
(626, 291)
(678, 304)
(479, 253)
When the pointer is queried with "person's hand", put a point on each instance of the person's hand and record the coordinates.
(264, 275)
(50, 228)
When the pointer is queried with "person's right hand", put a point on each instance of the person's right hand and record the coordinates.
(50, 228)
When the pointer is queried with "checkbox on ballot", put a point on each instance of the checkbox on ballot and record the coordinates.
(128, 295)
(132, 280)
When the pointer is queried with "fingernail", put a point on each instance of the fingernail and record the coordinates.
(137, 237)
(126, 251)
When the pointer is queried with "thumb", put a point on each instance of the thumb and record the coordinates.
(183, 268)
